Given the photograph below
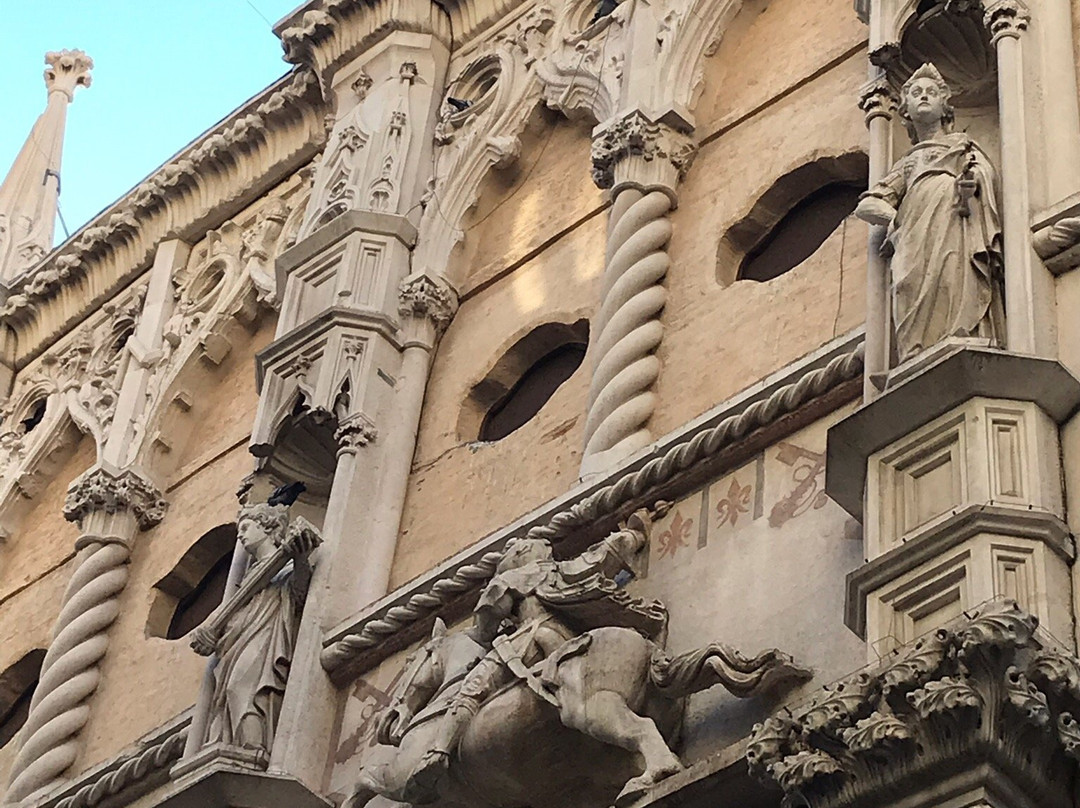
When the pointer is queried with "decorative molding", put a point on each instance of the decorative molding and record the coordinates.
(328, 37)
(639, 151)
(278, 132)
(148, 764)
(114, 491)
(357, 646)
(983, 689)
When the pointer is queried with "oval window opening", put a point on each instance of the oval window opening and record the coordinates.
(532, 391)
(800, 232)
(197, 605)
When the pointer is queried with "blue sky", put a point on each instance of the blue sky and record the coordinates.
(164, 71)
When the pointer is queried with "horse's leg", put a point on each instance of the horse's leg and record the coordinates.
(607, 717)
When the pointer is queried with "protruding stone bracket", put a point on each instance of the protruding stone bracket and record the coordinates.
(959, 375)
(983, 704)
(104, 491)
(649, 152)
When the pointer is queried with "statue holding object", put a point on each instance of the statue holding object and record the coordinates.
(560, 664)
(253, 633)
(944, 242)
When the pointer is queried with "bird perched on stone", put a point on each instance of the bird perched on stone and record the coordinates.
(458, 104)
(286, 494)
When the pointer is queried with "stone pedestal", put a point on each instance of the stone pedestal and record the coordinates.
(223, 776)
(955, 474)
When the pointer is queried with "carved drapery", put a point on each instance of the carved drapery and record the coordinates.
(110, 506)
(981, 690)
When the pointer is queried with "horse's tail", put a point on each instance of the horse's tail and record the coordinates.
(715, 664)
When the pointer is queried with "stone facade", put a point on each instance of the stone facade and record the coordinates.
(508, 407)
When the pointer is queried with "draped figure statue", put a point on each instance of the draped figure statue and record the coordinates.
(944, 229)
(254, 641)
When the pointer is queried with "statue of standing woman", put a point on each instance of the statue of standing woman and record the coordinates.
(944, 230)
(254, 633)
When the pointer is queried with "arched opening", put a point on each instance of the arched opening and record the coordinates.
(17, 685)
(792, 219)
(194, 587)
(801, 231)
(524, 379)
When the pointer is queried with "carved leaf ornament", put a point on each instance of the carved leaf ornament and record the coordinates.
(982, 688)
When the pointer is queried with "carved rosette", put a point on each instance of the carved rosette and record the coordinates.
(1005, 18)
(981, 688)
(637, 151)
(109, 505)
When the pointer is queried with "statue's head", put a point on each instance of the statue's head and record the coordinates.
(924, 102)
(519, 552)
(261, 523)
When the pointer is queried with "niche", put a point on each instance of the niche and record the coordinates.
(17, 685)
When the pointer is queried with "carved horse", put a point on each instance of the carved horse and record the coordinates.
(622, 695)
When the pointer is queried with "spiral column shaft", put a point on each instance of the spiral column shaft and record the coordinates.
(627, 328)
(642, 160)
(110, 507)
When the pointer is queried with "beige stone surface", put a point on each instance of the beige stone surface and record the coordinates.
(799, 40)
(751, 329)
(453, 472)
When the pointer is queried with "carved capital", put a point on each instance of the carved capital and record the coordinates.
(423, 296)
(114, 491)
(637, 151)
(1005, 18)
(67, 69)
(355, 434)
(878, 99)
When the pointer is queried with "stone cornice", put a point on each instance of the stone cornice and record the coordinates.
(668, 470)
(326, 34)
(984, 697)
(277, 132)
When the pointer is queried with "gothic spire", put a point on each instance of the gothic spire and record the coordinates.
(28, 196)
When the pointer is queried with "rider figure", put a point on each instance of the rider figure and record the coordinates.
(525, 615)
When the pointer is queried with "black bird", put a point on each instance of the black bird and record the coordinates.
(286, 494)
(458, 104)
(603, 8)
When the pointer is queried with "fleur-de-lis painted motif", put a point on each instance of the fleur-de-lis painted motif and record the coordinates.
(737, 501)
(675, 536)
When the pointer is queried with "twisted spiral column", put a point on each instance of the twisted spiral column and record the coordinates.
(110, 507)
(641, 160)
(627, 327)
